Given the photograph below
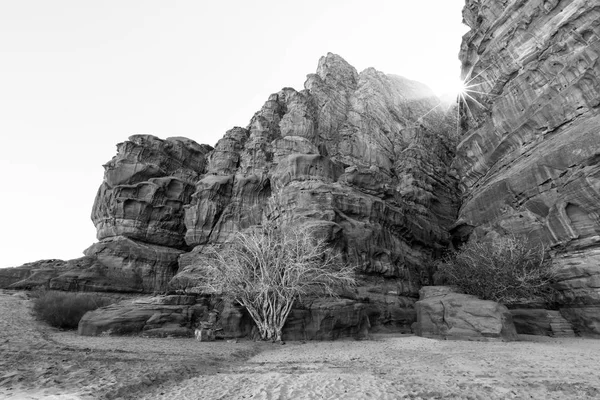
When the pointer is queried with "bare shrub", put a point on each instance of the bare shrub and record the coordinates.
(506, 271)
(266, 270)
(64, 310)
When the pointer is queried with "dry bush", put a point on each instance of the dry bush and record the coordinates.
(64, 309)
(266, 270)
(509, 270)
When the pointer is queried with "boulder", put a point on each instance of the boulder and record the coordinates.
(444, 314)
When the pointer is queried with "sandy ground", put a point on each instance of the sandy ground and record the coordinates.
(37, 362)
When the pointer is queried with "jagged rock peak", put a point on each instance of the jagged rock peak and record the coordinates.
(333, 68)
(346, 150)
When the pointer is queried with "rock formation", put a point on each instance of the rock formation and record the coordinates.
(368, 158)
(177, 315)
(146, 185)
(351, 151)
(444, 314)
(364, 156)
(139, 218)
(529, 161)
(541, 322)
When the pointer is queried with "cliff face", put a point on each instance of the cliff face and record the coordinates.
(139, 217)
(529, 162)
(145, 188)
(349, 152)
(362, 156)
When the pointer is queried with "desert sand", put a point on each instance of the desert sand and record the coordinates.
(39, 362)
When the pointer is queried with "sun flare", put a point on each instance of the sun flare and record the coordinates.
(458, 88)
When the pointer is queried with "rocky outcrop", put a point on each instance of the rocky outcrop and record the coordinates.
(158, 316)
(145, 188)
(179, 315)
(529, 160)
(139, 210)
(363, 156)
(113, 265)
(325, 319)
(537, 321)
(139, 217)
(31, 275)
(444, 314)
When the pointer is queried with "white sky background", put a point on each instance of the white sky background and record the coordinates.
(77, 77)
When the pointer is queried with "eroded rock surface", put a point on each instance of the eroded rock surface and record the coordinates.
(360, 154)
(445, 314)
(537, 321)
(178, 315)
(33, 275)
(529, 162)
(116, 264)
(145, 188)
(158, 316)
(363, 156)
(138, 212)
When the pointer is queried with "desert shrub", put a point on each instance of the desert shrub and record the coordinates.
(64, 309)
(508, 270)
(266, 270)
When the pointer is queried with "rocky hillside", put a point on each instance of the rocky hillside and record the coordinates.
(529, 162)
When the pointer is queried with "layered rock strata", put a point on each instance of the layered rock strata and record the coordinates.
(363, 156)
(178, 315)
(529, 161)
(536, 321)
(146, 185)
(357, 152)
(139, 217)
(139, 209)
(117, 264)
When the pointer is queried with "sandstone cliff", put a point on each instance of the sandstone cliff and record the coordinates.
(368, 158)
(363, 156)
(351, 151)
(529, 161)
(139, 217)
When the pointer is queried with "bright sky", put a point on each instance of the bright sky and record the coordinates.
(79, 76)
